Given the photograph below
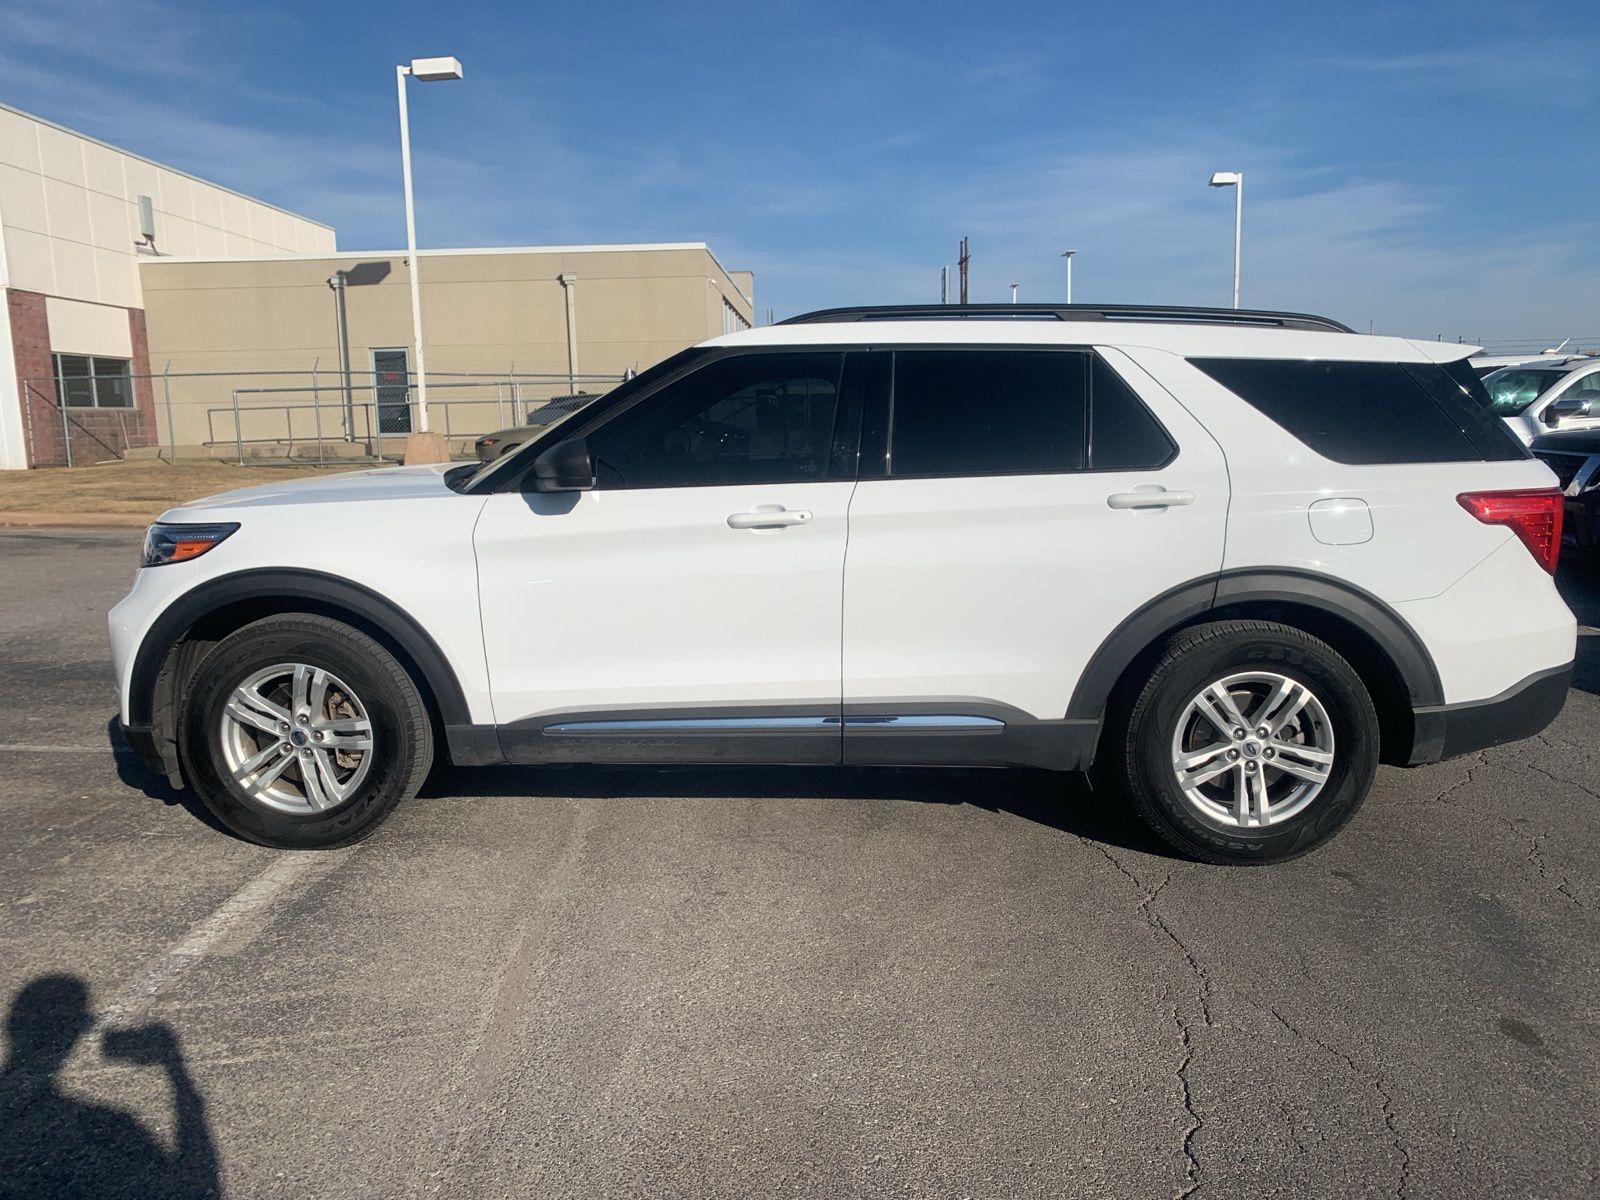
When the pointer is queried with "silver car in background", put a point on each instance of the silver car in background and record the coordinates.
(1537, 397)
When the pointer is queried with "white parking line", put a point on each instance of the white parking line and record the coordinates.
(229, 928)
(29, 748)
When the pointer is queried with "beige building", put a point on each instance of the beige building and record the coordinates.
(146, 307)
(504, 329)
(77, 217)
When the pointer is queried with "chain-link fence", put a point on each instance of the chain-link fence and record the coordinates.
(306, 416)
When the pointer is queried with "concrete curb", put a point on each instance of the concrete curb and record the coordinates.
(72, 520)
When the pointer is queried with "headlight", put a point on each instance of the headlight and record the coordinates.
(179, 543)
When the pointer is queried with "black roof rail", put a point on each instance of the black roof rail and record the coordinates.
(1176, 315)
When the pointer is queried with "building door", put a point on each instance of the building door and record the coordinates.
(391, 389)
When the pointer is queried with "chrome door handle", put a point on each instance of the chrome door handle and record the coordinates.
(769, 516)
(1149, 496)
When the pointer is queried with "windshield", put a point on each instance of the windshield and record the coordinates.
(1512, 389)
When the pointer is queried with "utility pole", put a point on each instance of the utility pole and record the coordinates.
(944, 285)
(962, 263)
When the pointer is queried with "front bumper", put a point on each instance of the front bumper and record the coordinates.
(1522, 710)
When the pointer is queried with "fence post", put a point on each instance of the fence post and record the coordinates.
(238, 434)
(27, 394)
(66, 429)
(166, 395)
(316, 412)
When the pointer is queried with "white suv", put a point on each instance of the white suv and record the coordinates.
(1232, 560)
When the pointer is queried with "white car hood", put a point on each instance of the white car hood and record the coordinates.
(382, 483)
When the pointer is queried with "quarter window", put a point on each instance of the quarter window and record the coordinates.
(1360, 413)
(754, 418)
(83, 381)
(988, 412)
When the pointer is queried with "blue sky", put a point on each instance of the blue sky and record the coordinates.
(1432, 169)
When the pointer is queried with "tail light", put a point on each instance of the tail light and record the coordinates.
(1534, 515)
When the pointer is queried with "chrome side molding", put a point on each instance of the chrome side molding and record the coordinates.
(888, 723)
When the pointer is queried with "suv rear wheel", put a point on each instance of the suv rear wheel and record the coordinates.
(1252, 742)
(303, 733)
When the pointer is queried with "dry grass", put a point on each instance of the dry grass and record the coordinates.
(135, 488)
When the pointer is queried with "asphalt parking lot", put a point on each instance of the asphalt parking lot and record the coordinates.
(686, 982)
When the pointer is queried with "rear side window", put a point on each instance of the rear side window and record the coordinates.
(1351, 412)
(988, 412)
(1123, 434)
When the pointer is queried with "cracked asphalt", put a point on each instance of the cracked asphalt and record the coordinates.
(732, 983)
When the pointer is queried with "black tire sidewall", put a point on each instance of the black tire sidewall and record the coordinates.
(1183, 676)
(367, 668)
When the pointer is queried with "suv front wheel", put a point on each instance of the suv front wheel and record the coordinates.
(1252, 742)
(303, 733)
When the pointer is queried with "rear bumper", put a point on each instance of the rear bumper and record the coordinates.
(1522, 710)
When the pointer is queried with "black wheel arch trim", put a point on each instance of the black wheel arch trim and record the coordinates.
(1185, 603)
(275, 583)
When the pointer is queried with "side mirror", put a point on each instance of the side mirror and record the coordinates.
(1560, 410)
(565, 467)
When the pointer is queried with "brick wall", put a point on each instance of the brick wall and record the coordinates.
(96, 433)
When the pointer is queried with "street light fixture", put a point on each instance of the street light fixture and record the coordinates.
(1067, 254)
(428, 70)
(1014, 288)
(1235, 180)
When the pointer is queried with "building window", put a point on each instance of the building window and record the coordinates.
(732, 322)
(85, 382)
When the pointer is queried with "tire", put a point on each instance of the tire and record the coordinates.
(289, 666)
(1292, 799)
(505, 450)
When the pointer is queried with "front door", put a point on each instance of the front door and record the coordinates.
(688, 606)
(1027, 501)
(391, 389)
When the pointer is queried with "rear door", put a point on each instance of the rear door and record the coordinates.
(1015, 505)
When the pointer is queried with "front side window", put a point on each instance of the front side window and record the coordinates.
(85, 381)
(753, 418)
(988, 412)
(1585, 388)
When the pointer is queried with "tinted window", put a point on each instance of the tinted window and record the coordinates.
(1351, 412)
(754, 418)
(987, 412)
(1123, 434)
(1459, 391)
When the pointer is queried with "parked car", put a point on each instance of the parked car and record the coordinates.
(1574, 456)
(1535, 398)
(1485, 364)
(1119, 539)
(503, 441)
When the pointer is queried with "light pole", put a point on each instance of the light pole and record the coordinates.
(428, 70)
(1235, 180)
(1014, 287)
(1067, 254)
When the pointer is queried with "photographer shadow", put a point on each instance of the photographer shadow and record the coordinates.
(54, 1145)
